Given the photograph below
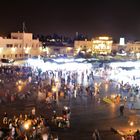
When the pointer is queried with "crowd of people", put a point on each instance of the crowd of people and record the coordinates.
(26, 127)
(26, 84)
(22, 79)
(49, 87)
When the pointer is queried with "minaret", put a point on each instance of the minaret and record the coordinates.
(122, 41)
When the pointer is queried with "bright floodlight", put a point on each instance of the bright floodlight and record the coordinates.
(66, 64)
(128, 72)
(131, 123)
(26, 125)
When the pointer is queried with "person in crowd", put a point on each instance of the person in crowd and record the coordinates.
(137, 135)
(122, 110)
(96, 135)
(5, 118)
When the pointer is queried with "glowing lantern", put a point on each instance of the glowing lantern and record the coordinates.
(49, 94)
(61, 94)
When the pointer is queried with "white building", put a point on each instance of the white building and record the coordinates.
(20, 45)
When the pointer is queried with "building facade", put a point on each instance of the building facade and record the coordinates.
(133, 47)
(102, 45)
(55, 51)
(98, 45)
(19, 46)
(80, 46)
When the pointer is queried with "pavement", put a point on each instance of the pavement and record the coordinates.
(86, 115)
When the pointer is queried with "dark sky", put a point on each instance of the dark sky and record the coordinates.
(117, 18)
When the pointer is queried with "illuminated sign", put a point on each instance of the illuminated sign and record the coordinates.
(104, 38)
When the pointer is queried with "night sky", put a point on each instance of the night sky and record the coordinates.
(116, 18)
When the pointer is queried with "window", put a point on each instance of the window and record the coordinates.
(9, 45)
(16, 45)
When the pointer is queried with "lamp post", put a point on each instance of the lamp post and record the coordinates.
(27, 126)
(131, 131)
(131, 123)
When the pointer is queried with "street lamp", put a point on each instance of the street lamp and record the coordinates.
(131, 131)
(131, 123)
(27, 124)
